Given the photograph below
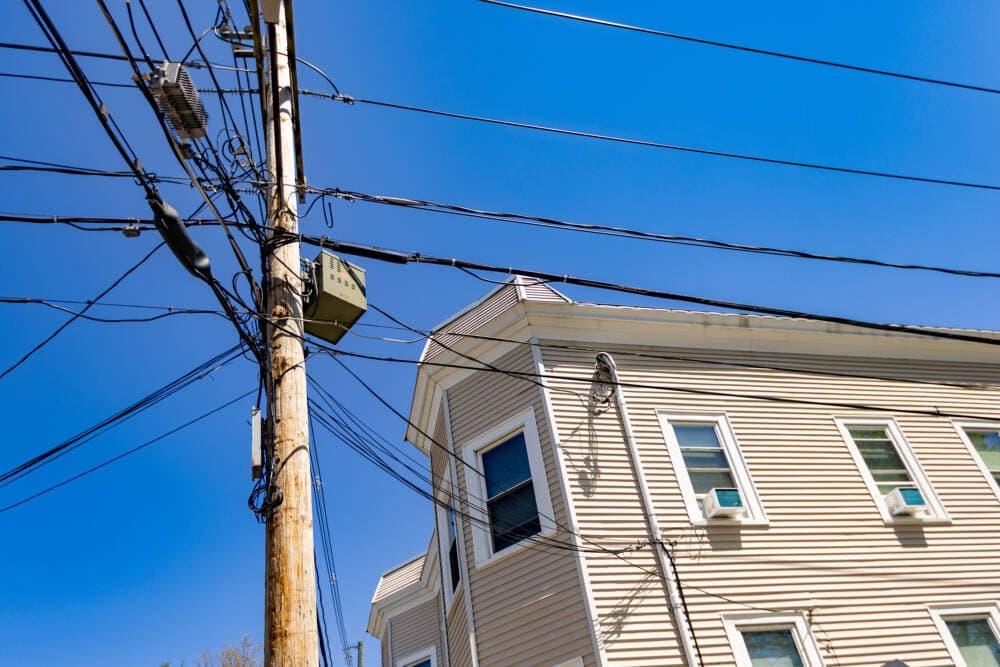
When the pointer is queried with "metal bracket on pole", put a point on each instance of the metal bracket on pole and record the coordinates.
(269, 10)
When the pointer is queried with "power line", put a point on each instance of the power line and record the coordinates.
(738, 47)
(110, 56)
(394, 257)
(624, 232)
(647, 143)
(199, 372)
(128, 452)
(115, 320)
(45, 341)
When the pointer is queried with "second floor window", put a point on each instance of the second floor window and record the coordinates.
(708, 462)
(510, 493)
(456, 576)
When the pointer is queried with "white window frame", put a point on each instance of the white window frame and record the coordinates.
(960, 426)
(475, 482)
(935, 509)
(441, 517)
(735, 624)
(942, 613)
(754, 515)
(419, 656)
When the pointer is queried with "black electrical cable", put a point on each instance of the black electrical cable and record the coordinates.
(57, 79)
(128, 452)
(624, 232)
(394, 257)
(649, 143)
(100, 109)
(45, 341)
(738, 47)
(106, 56)
(199, 372)
(110, 320)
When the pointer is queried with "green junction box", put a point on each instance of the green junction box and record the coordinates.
(336, 298)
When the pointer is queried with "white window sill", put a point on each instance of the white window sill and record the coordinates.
(917, 521)
(514, 548)
(750, 523)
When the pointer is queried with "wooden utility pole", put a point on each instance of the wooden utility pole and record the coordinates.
(290, 572)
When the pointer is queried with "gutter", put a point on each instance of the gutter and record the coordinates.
(606, 369)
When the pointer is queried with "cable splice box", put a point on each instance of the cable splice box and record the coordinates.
(335, 299)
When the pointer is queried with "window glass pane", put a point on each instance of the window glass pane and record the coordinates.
(513, 516)
(422, 663)
(976, 642)
(705, 458)
(506, 465)
(704, 481)
(456, 574)
(772, 648)
(880, 455)
(696, 436)
(987, 443)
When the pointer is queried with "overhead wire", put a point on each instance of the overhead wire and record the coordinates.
(62, 327)
(126, 453)
(624, 232)
(582, 134)
(199, 372)
(740, 47)
(394, 257)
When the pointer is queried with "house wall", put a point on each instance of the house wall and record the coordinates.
(459, 648)
(416, 629)
(826, 548)
(527, 607)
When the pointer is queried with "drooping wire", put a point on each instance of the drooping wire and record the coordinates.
(45, 341)
(126, 453)
(199, 372)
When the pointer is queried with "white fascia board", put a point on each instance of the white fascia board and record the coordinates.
(434, 378)
(730, 331)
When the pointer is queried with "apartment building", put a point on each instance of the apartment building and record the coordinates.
(635, 486)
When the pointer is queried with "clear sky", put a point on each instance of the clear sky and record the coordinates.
(157, 557)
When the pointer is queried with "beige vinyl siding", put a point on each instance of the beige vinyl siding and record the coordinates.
(534, 290)
(826, 548)
(492, 306)
(396, 580)
(459, 650)
(528, 608)
(416, 629)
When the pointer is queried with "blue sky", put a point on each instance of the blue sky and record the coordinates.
(157, 557)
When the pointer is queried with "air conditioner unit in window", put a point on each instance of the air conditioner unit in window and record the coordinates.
(721, 503)
(905, 500)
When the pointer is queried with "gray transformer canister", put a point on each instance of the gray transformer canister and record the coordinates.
(336, 298)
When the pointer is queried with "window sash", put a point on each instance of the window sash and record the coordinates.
(772, 647)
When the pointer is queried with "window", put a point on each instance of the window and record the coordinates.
(970, 633)
(507, 487)
(448, 536)
(705, 456)
(887, 463)
(772, 640)
(510, 493)
(983, 440)
(424, 658)
(456, 575)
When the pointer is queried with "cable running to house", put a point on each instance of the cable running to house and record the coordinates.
(625, 232)
(394, 257)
